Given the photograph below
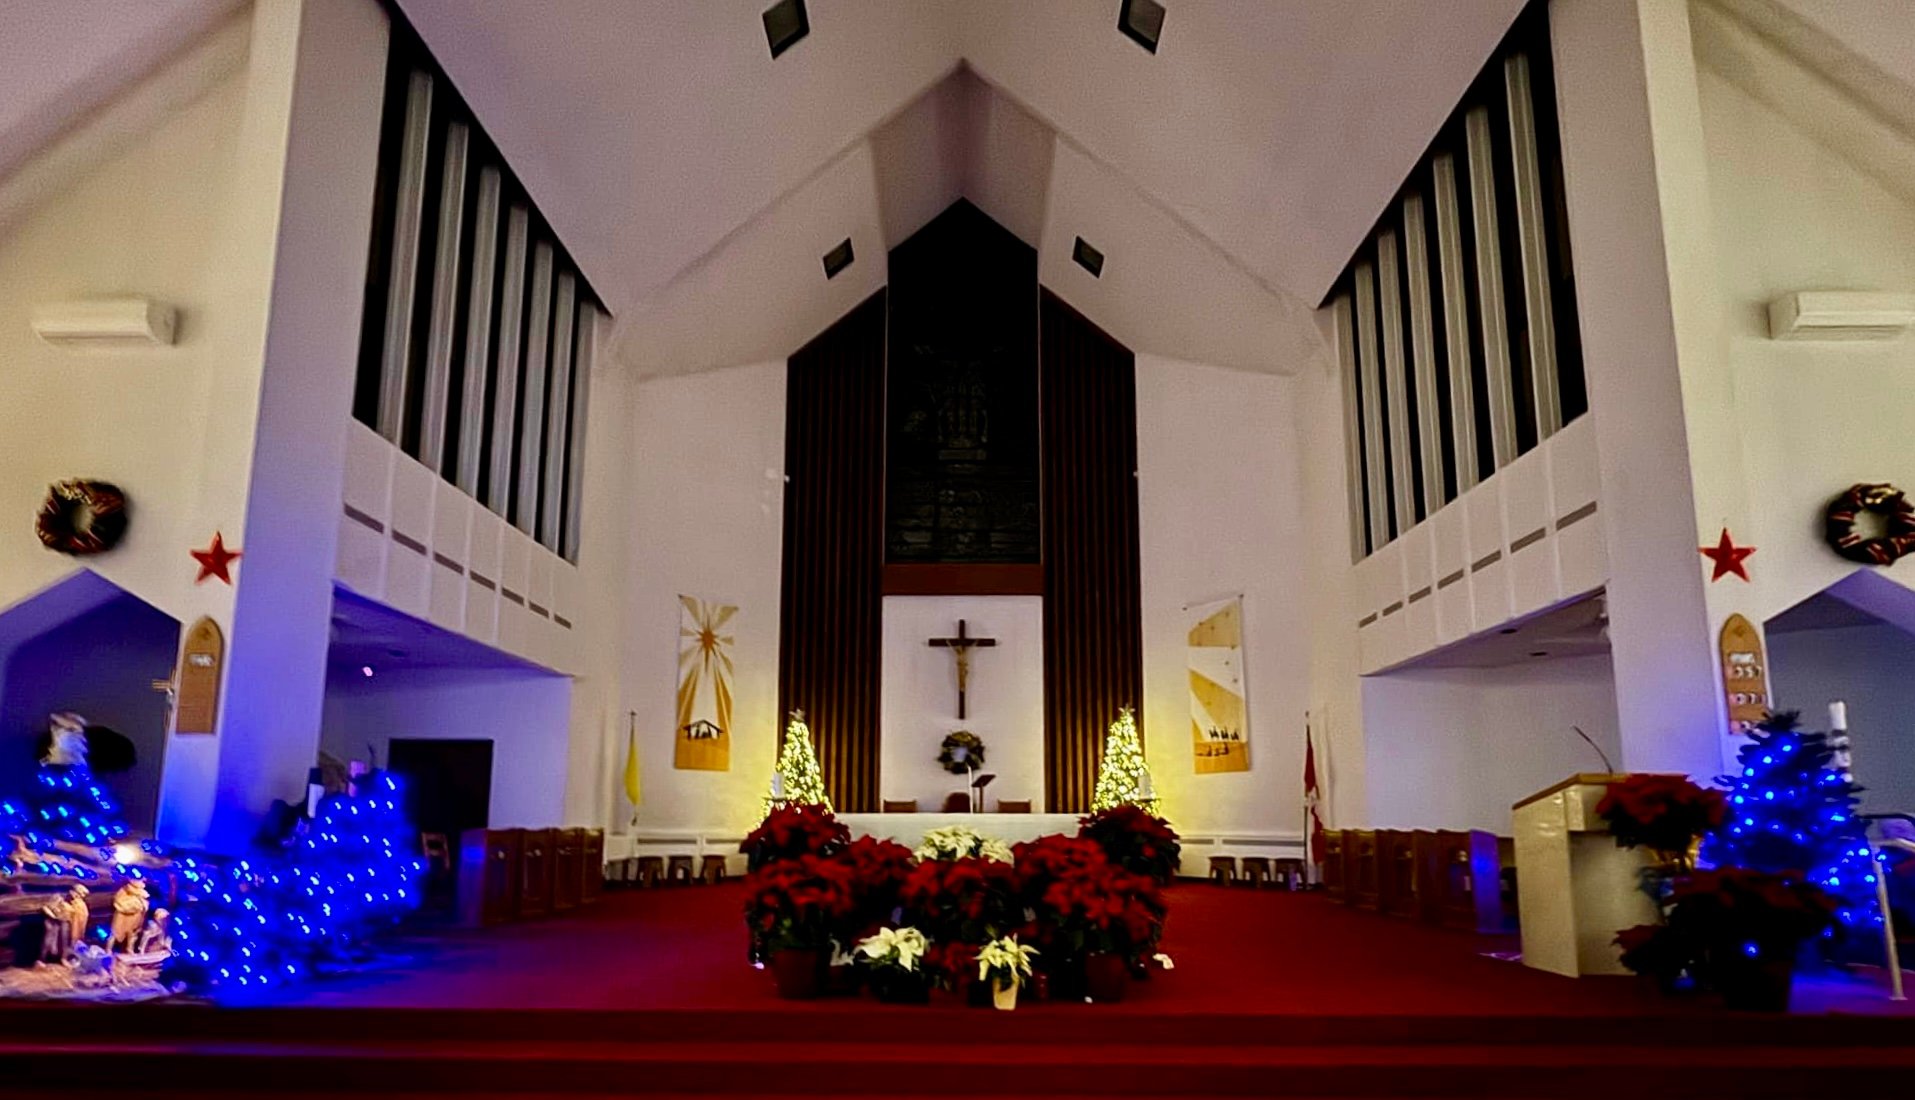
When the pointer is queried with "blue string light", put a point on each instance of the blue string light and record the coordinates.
(251, 922)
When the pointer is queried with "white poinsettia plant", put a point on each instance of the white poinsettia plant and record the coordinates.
(961, 842)
(1004, 960)
(902, 948)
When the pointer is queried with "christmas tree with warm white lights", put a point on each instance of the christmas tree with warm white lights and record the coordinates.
(1123, 778)
(797, 780)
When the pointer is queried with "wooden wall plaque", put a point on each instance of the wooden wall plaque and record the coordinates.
(1745, 674)
(202, 660)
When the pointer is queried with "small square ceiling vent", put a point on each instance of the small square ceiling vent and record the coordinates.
(1088, 258)
(838, 258)
(1142, 21)
(786, 23)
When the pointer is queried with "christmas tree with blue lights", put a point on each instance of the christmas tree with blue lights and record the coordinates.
(67, 823)
(1793, 808)
(347, 878)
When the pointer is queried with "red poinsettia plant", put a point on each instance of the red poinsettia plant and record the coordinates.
(1727, 919)
(799, 903)
(1664, 813)
(792, 831)
(971, 900)
(878, 870)
(1103, 909)
(1043, 861)
(1084, 903)
(1136, 840)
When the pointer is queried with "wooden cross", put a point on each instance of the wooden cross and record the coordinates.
(962, 646)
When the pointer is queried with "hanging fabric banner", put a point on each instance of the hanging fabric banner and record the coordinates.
(704, 685)
(1219, 719)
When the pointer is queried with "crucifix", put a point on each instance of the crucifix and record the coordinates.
(962, 646)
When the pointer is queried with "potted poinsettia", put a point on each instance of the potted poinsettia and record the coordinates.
(895, 959)
(792, 831)
(1136, 840)
(792, 907)
(1666, 814)
(1735, 931)
(1004, 964)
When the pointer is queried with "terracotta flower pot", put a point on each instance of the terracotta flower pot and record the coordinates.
(1105, 976)
(1004, 995)
(797, 972)
(1756, 985)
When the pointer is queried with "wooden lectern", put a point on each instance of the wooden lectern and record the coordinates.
(1575, 888)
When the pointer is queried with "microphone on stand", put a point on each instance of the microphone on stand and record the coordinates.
(1608, 768)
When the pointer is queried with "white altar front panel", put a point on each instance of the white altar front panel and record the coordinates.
(909, 829)
(918, 704)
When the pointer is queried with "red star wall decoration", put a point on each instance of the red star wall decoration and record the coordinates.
(216, 560)
(1728, 558)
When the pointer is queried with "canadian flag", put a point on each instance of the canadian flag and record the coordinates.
(1312, 796)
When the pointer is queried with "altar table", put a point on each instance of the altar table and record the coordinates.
(909, 829)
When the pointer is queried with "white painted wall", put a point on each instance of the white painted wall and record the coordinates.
(1872, 669)
(1814, 417)
(704, 514)
(1455, 748)
(526, 716)
(171, 426)
(1005, 705)
(1221, 512)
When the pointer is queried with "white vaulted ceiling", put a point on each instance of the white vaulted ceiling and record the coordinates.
(1227, 177)
(697, 180)
(61, 60)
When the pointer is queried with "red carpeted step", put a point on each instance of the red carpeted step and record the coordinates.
(855, 1068)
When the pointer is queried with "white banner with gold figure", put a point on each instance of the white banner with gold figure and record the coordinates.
(704, 685)
(1219, 720)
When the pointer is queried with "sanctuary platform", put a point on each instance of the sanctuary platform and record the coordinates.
(909, 829)
(1274, 993)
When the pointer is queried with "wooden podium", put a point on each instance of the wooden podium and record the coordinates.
(1575, 888)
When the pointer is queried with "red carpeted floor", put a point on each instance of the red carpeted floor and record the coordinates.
(1236, 951)
(648, 993)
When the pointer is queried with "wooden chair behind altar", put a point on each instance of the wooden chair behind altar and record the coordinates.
(905, 806)
(1013, 806)
(957, 802)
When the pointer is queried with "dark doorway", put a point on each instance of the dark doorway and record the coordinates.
(448, 783)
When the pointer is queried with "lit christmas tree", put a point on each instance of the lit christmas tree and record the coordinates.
(797, 780)
(347, 879)
(1793, 809)
(66, 823)
(1123, 777)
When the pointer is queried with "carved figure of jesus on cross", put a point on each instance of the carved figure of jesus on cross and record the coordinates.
(961, 646)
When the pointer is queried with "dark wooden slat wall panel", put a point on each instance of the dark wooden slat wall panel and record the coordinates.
(830, 623)
(1093, 620)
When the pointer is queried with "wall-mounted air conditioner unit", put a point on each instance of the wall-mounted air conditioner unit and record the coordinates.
(106, 323)
(1840, 315)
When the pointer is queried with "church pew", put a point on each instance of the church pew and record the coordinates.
(1360, 868)
(1396, 873)
(1460, 880)
(1334, 886)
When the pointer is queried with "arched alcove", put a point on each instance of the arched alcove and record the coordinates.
(88, 646)
(1855, 642)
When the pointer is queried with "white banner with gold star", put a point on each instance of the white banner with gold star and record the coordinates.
(705, 675)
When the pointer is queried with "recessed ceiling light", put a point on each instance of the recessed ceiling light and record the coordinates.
(786, 23)
(1142, 21)
(838, 258)
(1088, 258)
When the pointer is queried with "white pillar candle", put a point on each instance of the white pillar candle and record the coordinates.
(1838, 715)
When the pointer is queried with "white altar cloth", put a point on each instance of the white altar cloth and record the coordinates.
(909, 829)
